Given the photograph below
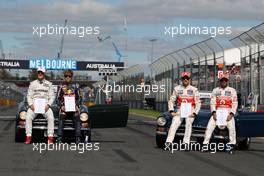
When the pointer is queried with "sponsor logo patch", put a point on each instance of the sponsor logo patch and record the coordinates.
(190, 92)
(46, 85)
(218, 93)
(40, 90)
(227, 93)
(180, 91)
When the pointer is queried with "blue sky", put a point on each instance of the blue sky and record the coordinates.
(145, 20)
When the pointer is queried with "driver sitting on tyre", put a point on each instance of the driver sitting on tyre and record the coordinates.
(69, 92)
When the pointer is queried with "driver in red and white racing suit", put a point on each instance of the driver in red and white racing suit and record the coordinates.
(225, 98)
(184, 93)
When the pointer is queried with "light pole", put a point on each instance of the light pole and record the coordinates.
(151, 54)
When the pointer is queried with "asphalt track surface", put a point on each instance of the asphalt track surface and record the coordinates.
(124, 152)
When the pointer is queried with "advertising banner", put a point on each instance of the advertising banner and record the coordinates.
(58, 64)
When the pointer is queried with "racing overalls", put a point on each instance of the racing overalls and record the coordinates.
(44, 90)
(181, 95)
(71, 89)
(223, 99)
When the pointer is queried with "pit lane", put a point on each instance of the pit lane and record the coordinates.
(124, 152)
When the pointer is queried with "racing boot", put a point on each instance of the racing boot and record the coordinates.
(78, 140)
(59, 139)
(87, 140)
(230, 149)
(50, 140)
(168, 146)
(28, 139)
(205, 148)
(187, 147)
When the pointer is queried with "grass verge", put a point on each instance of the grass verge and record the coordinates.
(145, 112)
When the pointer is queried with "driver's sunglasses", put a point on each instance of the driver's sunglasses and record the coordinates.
(185, 78)
(40, 73)
(67, 76)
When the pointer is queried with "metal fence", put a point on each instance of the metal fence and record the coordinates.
(200, 59)
(251, 46)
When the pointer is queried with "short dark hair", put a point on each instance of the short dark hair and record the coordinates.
(66, 72)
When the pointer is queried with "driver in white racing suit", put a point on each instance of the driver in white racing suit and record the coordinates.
(223, 98)
(188, 94)
(40, 89)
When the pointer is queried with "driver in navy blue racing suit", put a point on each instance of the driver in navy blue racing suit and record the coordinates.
(69, 89)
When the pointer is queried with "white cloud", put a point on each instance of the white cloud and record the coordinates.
(152, 11)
